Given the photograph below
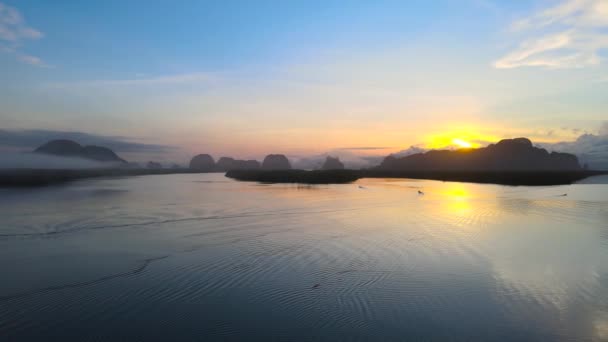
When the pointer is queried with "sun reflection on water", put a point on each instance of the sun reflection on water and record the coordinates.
(458, 199)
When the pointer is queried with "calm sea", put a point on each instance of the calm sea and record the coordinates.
(202, 257)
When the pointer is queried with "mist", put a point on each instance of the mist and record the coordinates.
(350, 160)
(27, 160)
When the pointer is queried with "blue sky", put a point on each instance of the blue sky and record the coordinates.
(304, 77)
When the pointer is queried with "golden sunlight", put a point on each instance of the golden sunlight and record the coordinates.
(459, 137)
(461, 143)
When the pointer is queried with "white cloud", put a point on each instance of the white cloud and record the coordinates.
(591, 149)
(409, 151)
(32, 60)
(13, 32)
(569, 35)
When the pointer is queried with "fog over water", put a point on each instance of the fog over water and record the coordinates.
(27, 160)
(200, 257)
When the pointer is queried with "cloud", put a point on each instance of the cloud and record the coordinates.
(568, 35)
(169, 79)
(32, 60)
(186, 79)
(13, 32)
(13, 27)
(409, 151)
(30, 139)
(591, 149)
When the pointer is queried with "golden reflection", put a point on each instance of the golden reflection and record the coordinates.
(458, 198)
(459, 207)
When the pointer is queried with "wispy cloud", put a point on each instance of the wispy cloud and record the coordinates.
(568, 35)
(13, 32)
(175, 79)
(409, 151)
(32, 60)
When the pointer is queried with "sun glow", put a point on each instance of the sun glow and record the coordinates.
(460, 138)
(461, 143)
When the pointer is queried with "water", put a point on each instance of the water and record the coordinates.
(202, 257)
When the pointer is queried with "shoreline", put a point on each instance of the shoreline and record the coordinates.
(23, 178)
(514, 178)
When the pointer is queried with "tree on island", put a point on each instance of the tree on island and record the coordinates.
(276, 162)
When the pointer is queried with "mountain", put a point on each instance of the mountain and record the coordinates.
(226, 164)
(154, 165)
(248, 164)
(69, 148)
(332, 164)
(276, 162)
(507, 155)
(202, 162)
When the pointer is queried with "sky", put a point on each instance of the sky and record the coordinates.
(247, 78)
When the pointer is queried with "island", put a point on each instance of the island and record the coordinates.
(332, 163)
(276, 162)
(508, 162)
(202, 162)
(72, 149)
(225, 164)
(507, 155)
(101, 162)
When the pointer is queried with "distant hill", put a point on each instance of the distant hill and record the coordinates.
(507, 155)
(154, 165)
(69, 148)
(202, 162)
(276, 162)
(332, 164)
(226, 164)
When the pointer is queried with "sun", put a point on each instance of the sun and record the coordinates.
(459, 138)
(461, 143)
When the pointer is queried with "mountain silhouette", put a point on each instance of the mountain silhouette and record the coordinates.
(69, 148)
(507, 155)
(202, 162)
(332, 163)
(225, 164)
(154, 165)
(276, 162)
